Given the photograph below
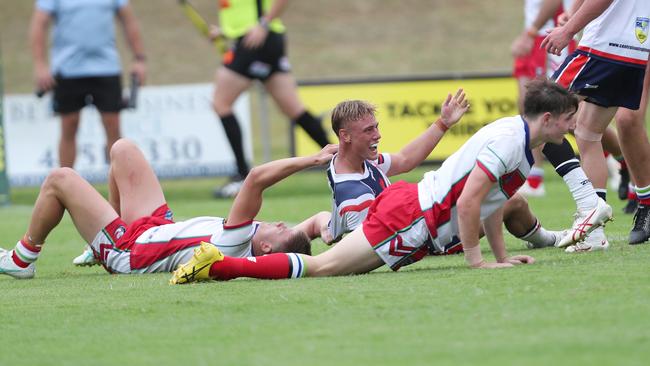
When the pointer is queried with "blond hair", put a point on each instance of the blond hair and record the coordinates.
(350, 111)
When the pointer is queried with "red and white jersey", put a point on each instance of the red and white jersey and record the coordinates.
(233, 241)
(620, 33)
(501, 150)
(353, 193)
(531, 9)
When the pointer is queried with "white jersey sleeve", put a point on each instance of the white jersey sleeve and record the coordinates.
(235, 241)
(383, 162)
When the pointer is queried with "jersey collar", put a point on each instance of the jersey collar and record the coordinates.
(529, 154)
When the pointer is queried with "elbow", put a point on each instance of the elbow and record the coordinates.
(465, 208)
(255, 176)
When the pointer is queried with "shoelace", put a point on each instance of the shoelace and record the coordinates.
(642, 219)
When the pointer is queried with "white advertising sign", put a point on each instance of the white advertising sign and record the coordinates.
(174, 126)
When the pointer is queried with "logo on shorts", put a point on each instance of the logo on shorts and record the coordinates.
(119, 232)
(397, 247)
(259, 69)
(641, 26)
(590, 86)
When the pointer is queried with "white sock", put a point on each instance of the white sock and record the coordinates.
(536, 171)
(539, 236)
(581, 189)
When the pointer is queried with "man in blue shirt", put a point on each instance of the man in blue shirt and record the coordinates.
(84, 63)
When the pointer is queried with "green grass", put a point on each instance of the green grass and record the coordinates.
(565, 309)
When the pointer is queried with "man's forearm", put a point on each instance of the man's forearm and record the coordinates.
(132, 33)
(587, 12)
(37, 32)
(272, 172)
(493, 225)
(276, 10)
(547, 11)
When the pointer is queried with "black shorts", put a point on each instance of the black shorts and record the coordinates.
(72, 94)
(602, 82)
(259, 63)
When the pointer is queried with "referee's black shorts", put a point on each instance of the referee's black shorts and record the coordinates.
(259, 63)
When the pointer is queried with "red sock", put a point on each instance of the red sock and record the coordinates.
(270, 267)
(631, 195)
(534, 181)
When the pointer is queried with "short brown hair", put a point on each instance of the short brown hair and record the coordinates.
(297, 243)
(546, 96)
(350, 111)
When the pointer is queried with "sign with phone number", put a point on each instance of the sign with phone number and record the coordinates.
(175, 127)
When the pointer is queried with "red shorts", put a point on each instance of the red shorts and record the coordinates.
(395, 226)
(112, 246)
(538, 63)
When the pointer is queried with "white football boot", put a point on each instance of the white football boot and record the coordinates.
(586, 222)
(9, 268)
(87, 258)
(593, 242)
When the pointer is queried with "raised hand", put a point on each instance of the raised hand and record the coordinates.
(454, 108)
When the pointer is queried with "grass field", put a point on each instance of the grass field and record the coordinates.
(565, 309)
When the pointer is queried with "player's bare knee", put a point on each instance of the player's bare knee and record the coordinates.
(122, 148)
(626, 119)
(58, 178)
(222, 109)
(517, 203)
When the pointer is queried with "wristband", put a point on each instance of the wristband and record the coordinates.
(532, 32)
(443, 127)
(141, 58)
(264, 23)
(473, 256)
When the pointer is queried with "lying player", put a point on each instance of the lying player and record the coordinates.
(468, 190)
(135, 233)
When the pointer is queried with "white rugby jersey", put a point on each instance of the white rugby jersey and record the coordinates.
(233, 241)
(352, 194)
(620, 33)
(502, 150)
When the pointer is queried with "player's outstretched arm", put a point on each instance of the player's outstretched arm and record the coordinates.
(316, 226)
(417, 150)
(249, 200)
(493, 226)
(468, 207)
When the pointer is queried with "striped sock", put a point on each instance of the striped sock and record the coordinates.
(24, 253)
(643, 194)
(539, 236)
(270, 267)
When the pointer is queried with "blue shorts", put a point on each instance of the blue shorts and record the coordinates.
(602, 82)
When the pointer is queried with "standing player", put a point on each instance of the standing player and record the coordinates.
(259, 53)
(85, 64)
(358, 173)
(470, 188)
(608, 71)
(134, 231)
(533, 62)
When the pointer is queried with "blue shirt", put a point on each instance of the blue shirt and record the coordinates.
(83, 36)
